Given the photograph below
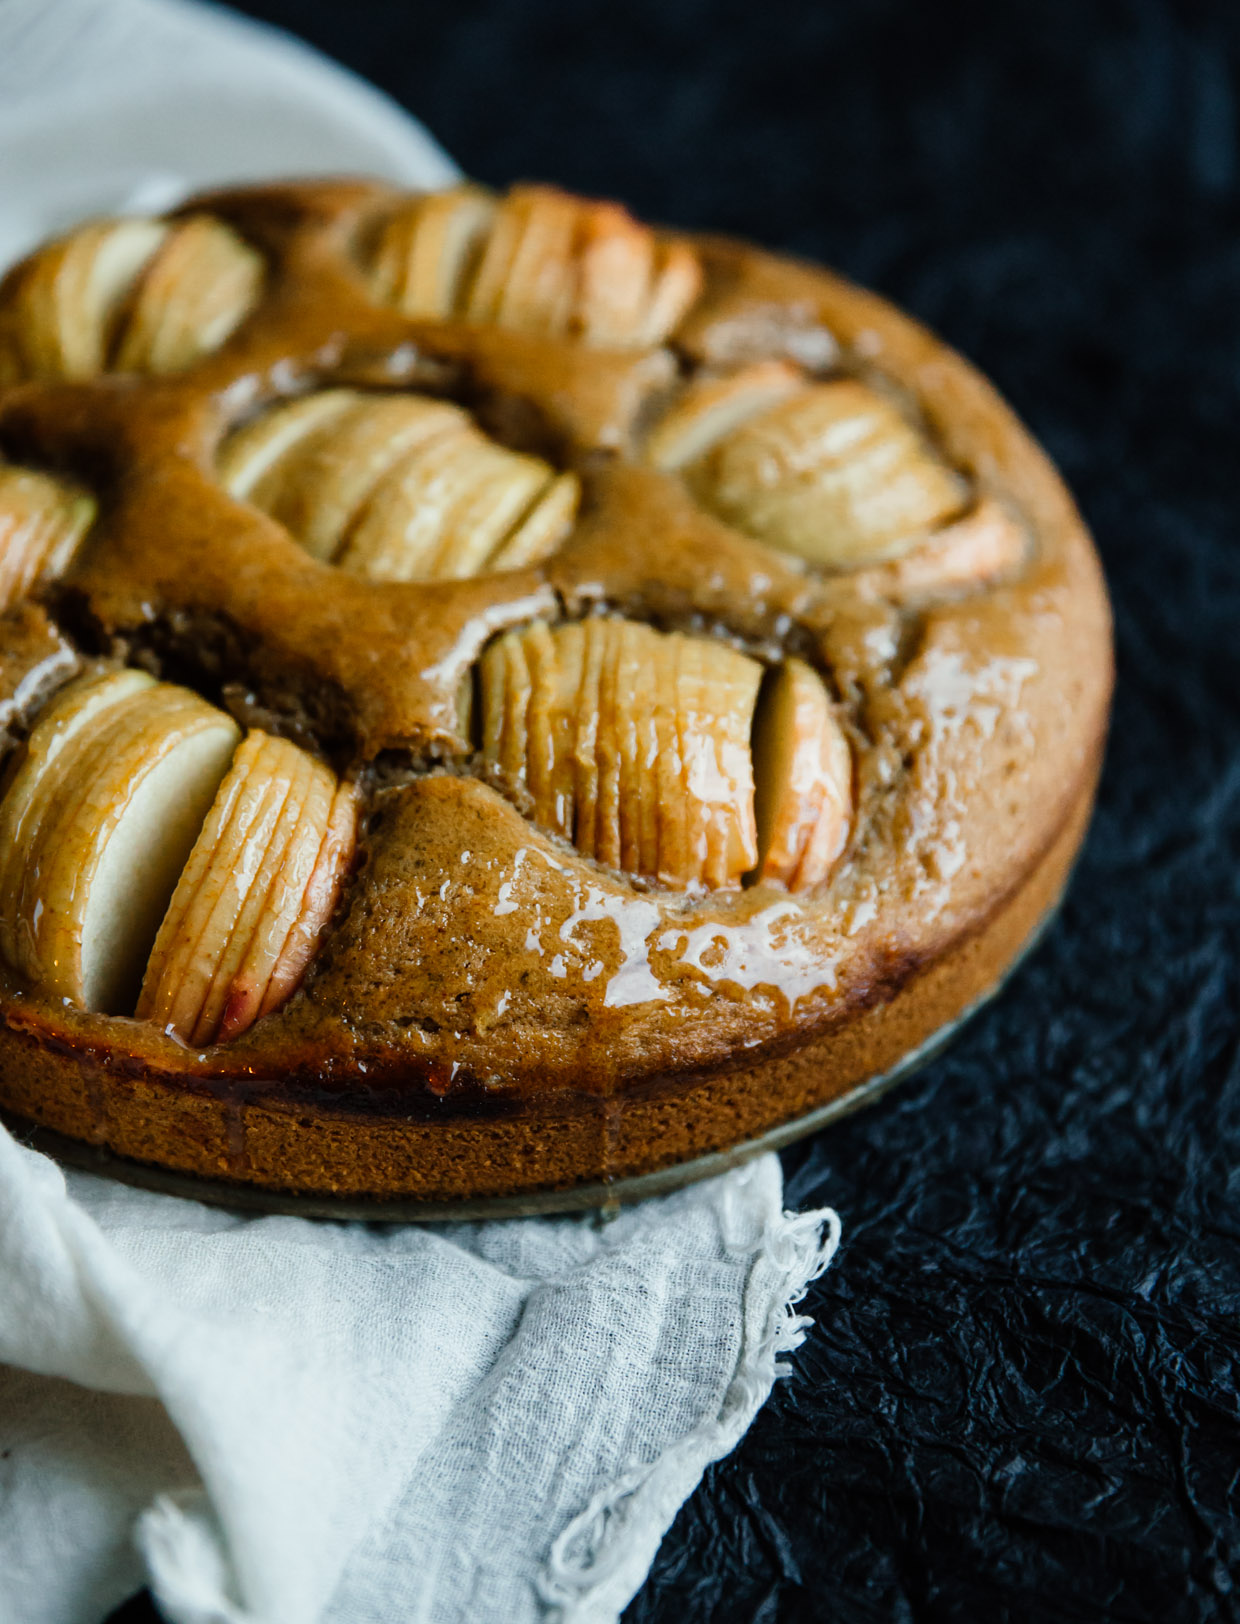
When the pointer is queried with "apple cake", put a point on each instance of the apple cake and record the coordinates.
(499, 699)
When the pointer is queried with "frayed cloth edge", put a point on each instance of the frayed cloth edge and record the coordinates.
(600, 1559)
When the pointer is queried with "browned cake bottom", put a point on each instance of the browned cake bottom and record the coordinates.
(554, 1144)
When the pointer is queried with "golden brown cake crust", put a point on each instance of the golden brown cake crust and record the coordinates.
(494, 1013)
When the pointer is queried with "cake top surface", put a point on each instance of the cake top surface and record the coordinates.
(683, 459)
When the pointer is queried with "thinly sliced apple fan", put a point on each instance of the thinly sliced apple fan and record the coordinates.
(132, 804)
(642, 747)
(537, 261)
(397, 487)
(126, 295)
(835, 473)
(255, 895)
(42, 522)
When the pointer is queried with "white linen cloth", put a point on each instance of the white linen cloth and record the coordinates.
(282, 1421)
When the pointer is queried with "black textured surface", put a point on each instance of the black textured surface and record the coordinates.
(1020, 1402)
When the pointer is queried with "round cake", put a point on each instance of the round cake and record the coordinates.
(499, 700)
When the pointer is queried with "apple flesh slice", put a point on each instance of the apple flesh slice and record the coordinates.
(320, 484)
(255, 895)
(200, 285)
(483, 298)
(42, 523)
(318, 903)
(718, 692)
(60, 307)
(542, 771)
(706, 819)
(428, 249)
(585, 748)
(500, 485)
(250, 462)
(985, 546)
(538, 289)
(563, 267)
(677, 283)
(608, 744)
(617, 273)
(214, 884)
(673, 867)
(638, 747)
(506, 695)
(450, 508)
(542, 528)
(803, 777)
(101, 858)
(36, 782)
(273, 866)
(400, 529)
(834, 474)
(713, 407)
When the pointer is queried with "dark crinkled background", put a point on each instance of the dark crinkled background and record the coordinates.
(1020, 1401)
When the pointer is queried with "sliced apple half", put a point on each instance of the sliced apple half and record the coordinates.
(196, 290)
(97, 823)
(397, 486)
(834, 474)
(803, 777)
(712, 407)
(632, 743)
(60, 307)
(427, 250)
(258, 890)
(42, 523)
